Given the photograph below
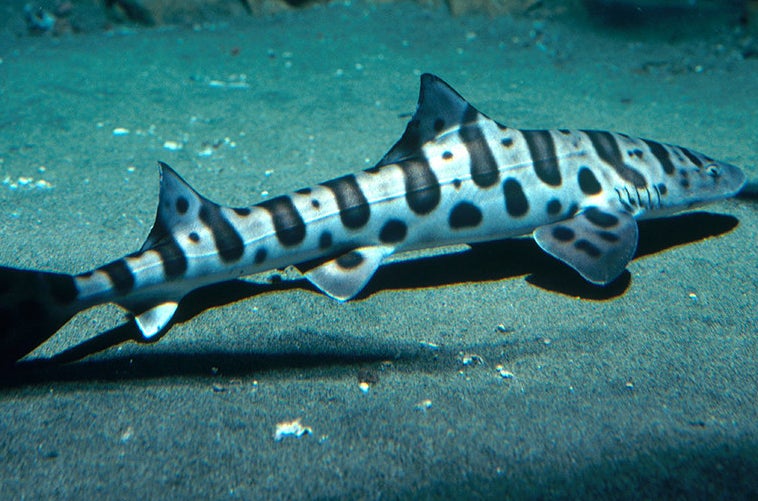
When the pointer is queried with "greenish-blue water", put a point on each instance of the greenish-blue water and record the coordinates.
(643, 391)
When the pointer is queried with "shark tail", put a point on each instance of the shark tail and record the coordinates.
(33, 306)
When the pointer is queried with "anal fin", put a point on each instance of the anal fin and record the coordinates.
(154, 320)
(345, 276)
(598, 242)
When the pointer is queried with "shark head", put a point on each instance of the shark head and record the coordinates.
(697, 179)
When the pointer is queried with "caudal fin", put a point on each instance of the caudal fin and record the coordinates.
(33, 306)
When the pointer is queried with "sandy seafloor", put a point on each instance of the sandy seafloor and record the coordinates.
(644, 390)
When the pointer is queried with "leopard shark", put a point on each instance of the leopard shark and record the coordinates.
(455, 176)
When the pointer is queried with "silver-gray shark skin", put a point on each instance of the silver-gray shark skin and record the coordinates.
(455, 176)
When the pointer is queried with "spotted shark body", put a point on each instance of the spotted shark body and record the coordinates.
(455, 176)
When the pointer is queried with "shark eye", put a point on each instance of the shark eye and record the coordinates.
(713, 170)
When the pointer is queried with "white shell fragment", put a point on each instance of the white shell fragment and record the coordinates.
(430, 345)
(291, 429)
(126, 435)
(26, 183)
(471, 359)
(231, 82)
(504, 373)
(424, 405)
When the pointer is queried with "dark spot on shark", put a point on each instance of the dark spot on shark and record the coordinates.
(608, 150)
(422, 189)
(287, 221)
(588, 183)
(260, 255)
(464, 215)
(588, 248)
(554, 207)
(661, 154)
(608, 236)
(172, 256)
(325, 240)
(228, 241)
(393, 231)
(684, 182)
(182, 205)
(484, 168)
(600, 218)
(515, 200)
(120, 275)
(351, 260)
(563, 233)
(173, 259)
(354, 208)
(692, 157)
(544, 159)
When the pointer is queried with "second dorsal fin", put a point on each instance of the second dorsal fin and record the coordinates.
(178, 204)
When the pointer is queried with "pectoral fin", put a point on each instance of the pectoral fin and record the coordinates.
(597, 242)
(345, 276)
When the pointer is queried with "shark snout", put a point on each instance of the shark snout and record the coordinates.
(730, 177)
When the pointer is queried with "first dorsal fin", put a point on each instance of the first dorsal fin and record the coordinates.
(178, 204)
(440, 108)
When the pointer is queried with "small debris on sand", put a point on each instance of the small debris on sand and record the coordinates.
(291, 429)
